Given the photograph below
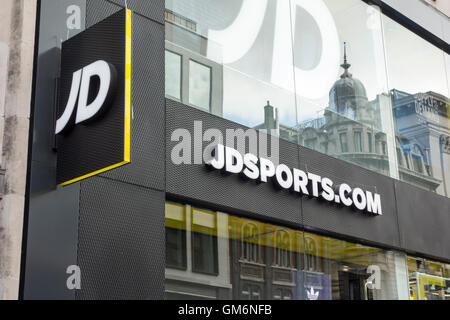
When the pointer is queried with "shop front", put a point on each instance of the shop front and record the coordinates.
(329, 178)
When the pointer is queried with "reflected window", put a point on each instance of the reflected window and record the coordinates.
(250, 243)
(180, 20)
(199, 85)
(417, 164)
(173, 75)
(240, 258)
(343, 141)
(283, 249)
(358, 141)
(175, 236)
(369, 142)
(311, 143)
(384, 147)
(204, 242)
(251, 292)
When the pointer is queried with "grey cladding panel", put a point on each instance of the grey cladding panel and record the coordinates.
(424, 220)
(121, 241)
(381, 229)
(196, 183)
(51, 240)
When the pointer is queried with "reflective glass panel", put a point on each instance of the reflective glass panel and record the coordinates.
(428, 280)
(338, 77)
(229, 257)
(199, 85)
(237, 40)
(419, 91)
(173, 75)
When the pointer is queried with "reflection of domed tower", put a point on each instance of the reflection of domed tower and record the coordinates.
(348, 96)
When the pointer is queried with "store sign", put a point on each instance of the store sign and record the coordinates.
(81, 89)
(93, 125)
(261, 170)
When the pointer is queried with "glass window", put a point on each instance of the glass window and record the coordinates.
(419, 92)
(323, 66)
(358, 141)
(428, 280)
(251, 249)
(400, 157)
(311, 143)
(369, 142)
(199, 85)
(384, 147)
(343, 141)
(233, 256)
(173, 75)
(204, 242)
(175, 236)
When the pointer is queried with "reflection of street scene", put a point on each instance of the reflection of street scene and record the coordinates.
(213, 255)
(399, 128)
(352, 128)
(398, 134)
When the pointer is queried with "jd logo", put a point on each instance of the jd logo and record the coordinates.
(93, 87)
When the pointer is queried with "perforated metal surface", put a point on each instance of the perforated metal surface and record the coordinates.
(424, 219)
(121, 228)
(195, 182)
(381, 229)
(147, 99)
(87, 148)
(148, 121)
(121, 241)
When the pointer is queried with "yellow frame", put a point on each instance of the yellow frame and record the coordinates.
(127, 127)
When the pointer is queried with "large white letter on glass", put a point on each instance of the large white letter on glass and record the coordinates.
(236, 40)
(314, 83)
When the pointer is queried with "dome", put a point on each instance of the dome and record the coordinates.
(348, 93)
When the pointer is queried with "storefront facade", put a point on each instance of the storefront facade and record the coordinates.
(350, 92)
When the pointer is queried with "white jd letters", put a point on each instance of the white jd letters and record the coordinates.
(81, 83)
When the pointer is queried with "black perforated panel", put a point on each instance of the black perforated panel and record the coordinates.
(195, 182)
(121, 228)
(424, 219)
(121, 236)
(148, 105)
(337, 219)
(148, 110)
(87, 148)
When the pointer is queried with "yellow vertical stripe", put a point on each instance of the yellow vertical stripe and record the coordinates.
(127, 143)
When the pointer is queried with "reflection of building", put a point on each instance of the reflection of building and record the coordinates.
(191, 78)
(197, 258)
(262, 261)
(351, 129)
(212, 255)
(422, 123)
